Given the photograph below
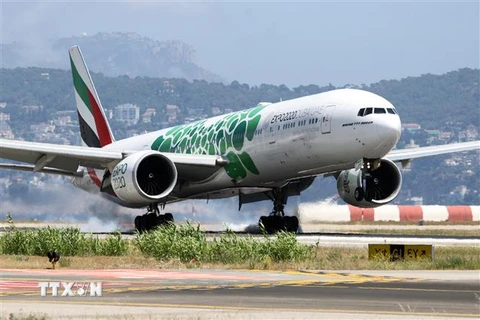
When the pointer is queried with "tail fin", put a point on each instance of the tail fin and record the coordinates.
(94, 127)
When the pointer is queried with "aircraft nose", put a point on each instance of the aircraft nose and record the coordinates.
(389, 130)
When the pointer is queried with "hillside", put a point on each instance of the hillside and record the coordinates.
(432, 100)
(446, 104)
(113, 54)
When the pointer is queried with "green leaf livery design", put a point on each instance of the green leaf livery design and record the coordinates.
(225, 137)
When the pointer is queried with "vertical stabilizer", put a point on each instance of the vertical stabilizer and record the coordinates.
(94, 127)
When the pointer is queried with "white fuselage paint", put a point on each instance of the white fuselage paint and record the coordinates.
(332, 138)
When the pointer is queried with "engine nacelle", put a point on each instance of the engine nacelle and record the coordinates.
(381, 187)
(143, 177)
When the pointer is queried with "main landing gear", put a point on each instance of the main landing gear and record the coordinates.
(152, 219)
(277, 220)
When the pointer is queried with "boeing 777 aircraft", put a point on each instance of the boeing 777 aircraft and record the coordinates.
(272, 151)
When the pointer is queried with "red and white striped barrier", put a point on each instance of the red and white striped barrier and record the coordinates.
(342, 213)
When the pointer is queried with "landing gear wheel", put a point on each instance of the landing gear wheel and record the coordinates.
(274, 224)
(266, 224)
(291, 223)
(369, 195)
(277, 221)
(168, 217)
(152, 219)
(139, 223)
(358, 194)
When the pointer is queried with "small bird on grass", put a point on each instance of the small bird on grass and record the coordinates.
(53, 257)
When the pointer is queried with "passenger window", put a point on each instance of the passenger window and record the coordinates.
(368, 111)
(379, 110)
(390, 110)
(360, 112)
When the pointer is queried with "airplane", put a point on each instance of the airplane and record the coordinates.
(270, 152)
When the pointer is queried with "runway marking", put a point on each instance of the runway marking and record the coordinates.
(346, 274)
(415, 289)
(14, 286)
(133, 274)
(236, 286)
(220, 307)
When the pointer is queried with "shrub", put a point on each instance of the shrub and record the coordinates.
(67, 241)
(187, 242)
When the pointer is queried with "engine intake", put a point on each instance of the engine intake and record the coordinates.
(143, 177)
(380, 187)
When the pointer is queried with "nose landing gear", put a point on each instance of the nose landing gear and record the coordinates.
(369, 183)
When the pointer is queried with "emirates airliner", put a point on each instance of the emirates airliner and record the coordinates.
(269, 152)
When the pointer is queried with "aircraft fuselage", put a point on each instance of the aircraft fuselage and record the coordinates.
(271, 144)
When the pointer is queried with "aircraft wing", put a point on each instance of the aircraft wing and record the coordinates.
(66, 159)
(405, 155)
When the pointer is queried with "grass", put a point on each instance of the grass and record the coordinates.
(188, 243)
(67, 241)
(30, 316)
(186, 246)
(426, 232)
(323, 258)
(471, 229)
(400, 223)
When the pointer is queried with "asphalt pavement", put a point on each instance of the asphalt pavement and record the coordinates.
(243, 294)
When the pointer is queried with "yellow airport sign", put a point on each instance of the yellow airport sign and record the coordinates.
(395, 252)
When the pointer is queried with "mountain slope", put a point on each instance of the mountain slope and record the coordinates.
(113, 54)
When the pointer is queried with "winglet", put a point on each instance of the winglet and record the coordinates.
(94, 127)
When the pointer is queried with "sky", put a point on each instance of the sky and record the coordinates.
(291, 43)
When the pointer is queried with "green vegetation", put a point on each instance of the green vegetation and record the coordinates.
(67, 241)
(186, 242)
(428, 99)
(30, 316)
(187, 246)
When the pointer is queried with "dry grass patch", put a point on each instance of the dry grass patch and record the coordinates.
(324, 258)
(186, 246)
(427, 232)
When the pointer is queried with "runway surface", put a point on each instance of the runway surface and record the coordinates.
(246, 294)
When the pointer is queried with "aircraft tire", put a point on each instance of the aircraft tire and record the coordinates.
(274, 224)
(291, 223)
(137, 222)
(358, 194)
(268, 224)
(168, 217)
(368, 196)
(140, 224)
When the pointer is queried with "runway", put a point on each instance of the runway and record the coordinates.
(247, 294)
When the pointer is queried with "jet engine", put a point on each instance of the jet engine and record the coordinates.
(143, 177)
(370, 189)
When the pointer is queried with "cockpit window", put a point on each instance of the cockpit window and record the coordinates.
(366, 111)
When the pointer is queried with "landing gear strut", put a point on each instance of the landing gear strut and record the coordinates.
(277, 220)
(369, 183)
(152, 219)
